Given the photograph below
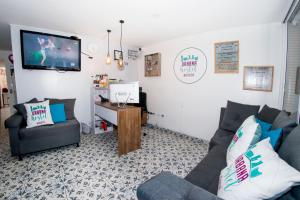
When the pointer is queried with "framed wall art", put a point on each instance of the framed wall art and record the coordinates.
(227, 57)
(153, 65)
(117, 54)
(259, 78)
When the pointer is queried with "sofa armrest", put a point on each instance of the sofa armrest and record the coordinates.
(14, 121)
(166, 186)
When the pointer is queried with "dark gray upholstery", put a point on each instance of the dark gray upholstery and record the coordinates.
(24, 141)
(69, 106)
(204, 177)
(22, 110)
(290, 152)
(283, 120)
(235, 114)
(268, 114)
(221, 116)
(48, 130)
(221, 137)
(206, 174)
(159, 188)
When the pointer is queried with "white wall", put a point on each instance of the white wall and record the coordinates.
(8, 65)
(47, 83)
(291, 99)
(194, 109)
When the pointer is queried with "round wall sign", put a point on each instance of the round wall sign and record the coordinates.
(190, 65)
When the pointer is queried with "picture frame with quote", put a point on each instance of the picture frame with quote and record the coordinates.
(117, 54)
(258, 78)
(227, 57)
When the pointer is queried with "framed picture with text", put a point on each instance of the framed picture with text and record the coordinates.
(117, 54)
(227, 57)
(259, 78)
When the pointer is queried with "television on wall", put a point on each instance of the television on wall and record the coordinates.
(50, 52)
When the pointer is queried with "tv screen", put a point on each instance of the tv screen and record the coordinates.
(48, 51)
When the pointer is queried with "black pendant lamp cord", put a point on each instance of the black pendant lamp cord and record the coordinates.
(108, 32)
(121, 21)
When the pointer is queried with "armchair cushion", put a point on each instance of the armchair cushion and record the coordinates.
(48, 130)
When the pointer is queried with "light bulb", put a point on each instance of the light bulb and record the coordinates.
(121, 64)
(108, 59)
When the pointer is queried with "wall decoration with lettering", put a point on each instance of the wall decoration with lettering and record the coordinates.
(259, 78)
(153, 65)
(227, 57)
(190, 65)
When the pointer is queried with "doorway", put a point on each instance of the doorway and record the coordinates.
(4, 92)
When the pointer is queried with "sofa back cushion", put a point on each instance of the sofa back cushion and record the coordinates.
(290, 152)
(268, 114)
(235, 114)
(21, 108)
(69, 106)
(287, 123)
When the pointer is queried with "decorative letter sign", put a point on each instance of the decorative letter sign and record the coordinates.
(190, 65)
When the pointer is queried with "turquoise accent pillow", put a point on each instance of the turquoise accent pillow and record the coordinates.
(264, 125)
(58, 112)
(274, 136)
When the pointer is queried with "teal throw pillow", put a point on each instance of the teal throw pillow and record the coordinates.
(58, 112)
(274, 136)
(264, 125)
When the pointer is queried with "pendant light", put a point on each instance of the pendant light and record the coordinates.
(120, 60)
(108, 58)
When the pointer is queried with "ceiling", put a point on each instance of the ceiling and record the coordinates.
(146, 21)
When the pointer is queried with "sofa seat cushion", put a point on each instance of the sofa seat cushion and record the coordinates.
(48, 130)
(206, 174)
(221, 137)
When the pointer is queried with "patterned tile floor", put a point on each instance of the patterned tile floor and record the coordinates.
(94, 171)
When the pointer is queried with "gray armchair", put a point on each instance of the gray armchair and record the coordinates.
(28, 140)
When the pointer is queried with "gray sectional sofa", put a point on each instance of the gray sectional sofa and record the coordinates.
(28, 140)
(202, 182)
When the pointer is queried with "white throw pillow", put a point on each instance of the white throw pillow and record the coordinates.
(248, 134)
(257, 174)
(250, 120)
(38, 114)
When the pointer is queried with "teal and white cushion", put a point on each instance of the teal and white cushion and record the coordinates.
(257, 174)
(248, 134)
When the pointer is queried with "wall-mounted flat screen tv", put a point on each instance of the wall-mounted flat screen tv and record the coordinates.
(50, 52)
